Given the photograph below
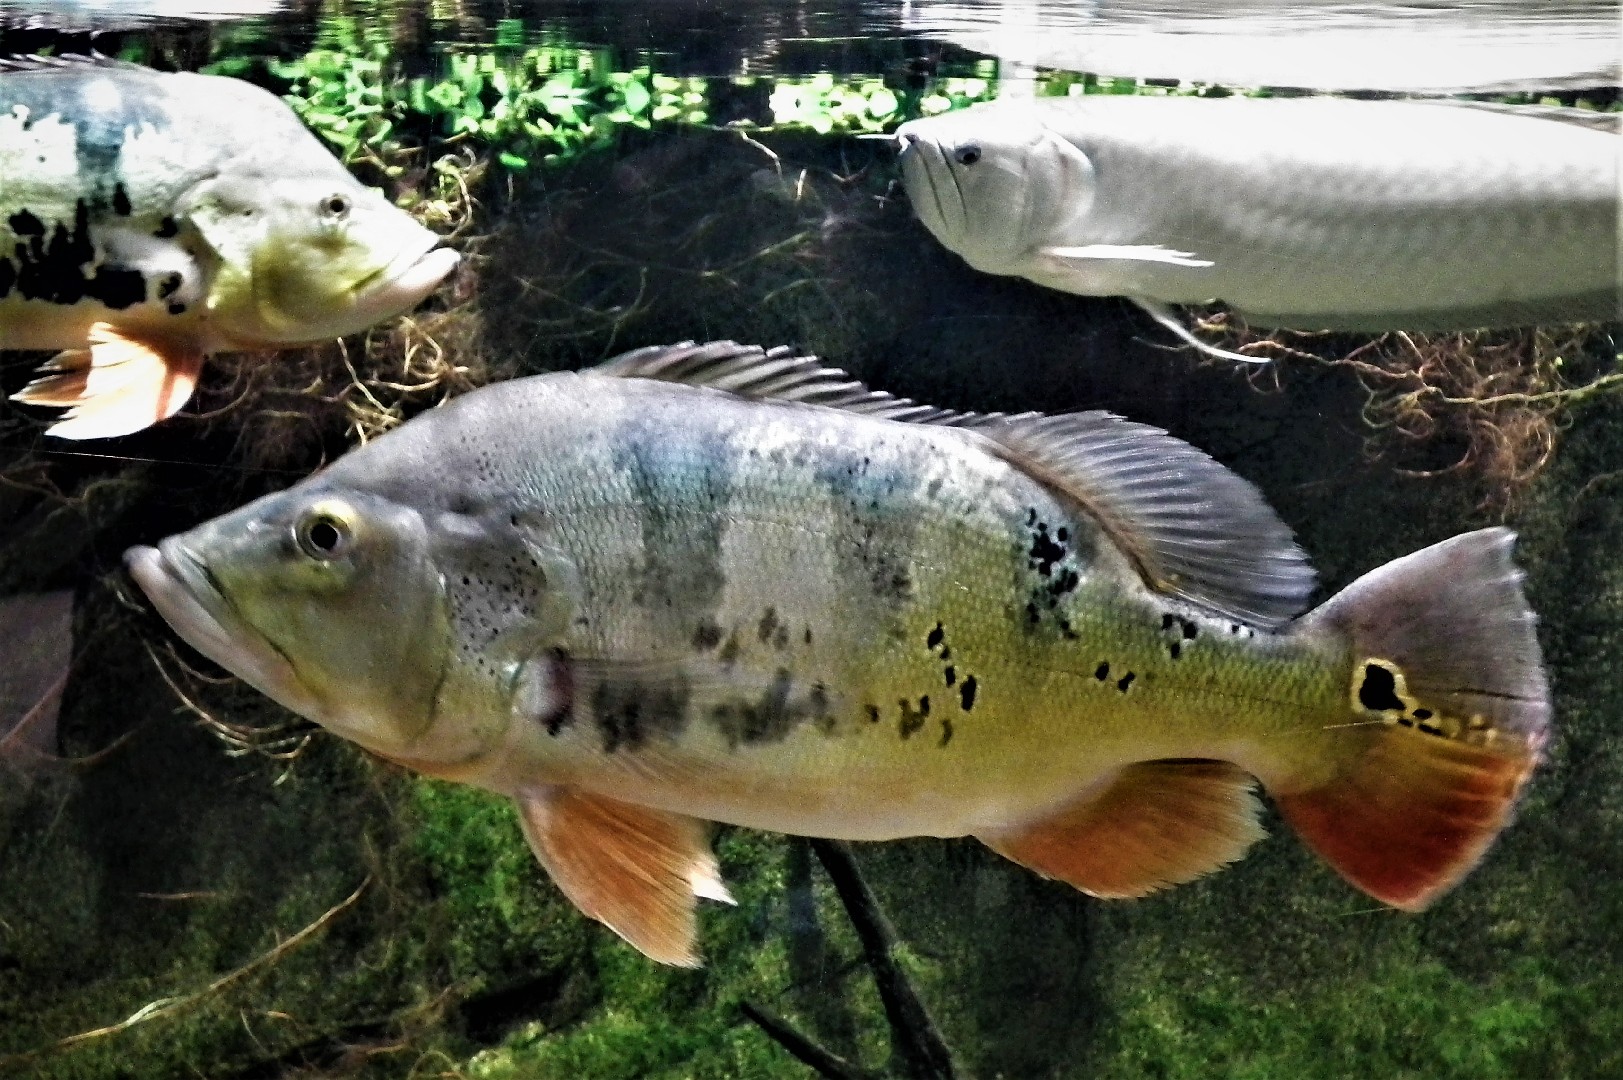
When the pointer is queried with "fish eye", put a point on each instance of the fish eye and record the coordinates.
(967, 155)
(335, 205)
(322, 534)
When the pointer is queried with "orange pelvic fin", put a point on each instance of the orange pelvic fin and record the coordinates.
(638, 871)
(1158, 823)
(118, 384)
(1447, 714)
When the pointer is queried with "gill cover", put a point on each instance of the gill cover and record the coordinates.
(342, 585)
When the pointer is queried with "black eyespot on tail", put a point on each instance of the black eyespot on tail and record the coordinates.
(1378, 690)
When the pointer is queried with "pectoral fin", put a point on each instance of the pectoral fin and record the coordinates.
(1158, 823)
(118, 384)
(637, 871)
(1151, 253)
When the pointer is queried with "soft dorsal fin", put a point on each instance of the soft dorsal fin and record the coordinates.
(1589, 119)
(68, 63)
(1190, 526)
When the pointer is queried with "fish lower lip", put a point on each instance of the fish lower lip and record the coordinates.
(189, 599)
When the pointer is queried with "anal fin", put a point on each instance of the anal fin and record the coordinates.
(1413, 816)
(1158, 823)
(120, 383)
(638, 871)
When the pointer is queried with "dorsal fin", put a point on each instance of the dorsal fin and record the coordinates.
(70, 62)
(1589, 119)
(1190, 526)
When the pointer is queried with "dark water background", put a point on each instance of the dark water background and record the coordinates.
(167, 858)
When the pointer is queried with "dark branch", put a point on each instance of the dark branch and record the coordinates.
(824, 1062)
(920, 1051)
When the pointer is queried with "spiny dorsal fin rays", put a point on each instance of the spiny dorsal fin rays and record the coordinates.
(69, 62)
(1190, 526)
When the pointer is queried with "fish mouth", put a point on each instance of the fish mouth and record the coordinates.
(180, 586)
(924, 165)
(409, 277)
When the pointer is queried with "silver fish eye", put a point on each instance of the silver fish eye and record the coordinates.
(335, 205)
(967, 154)
(323, 535)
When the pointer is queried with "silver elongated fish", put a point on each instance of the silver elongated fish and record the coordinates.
(707, 583)
(148, 219)
(1310, 213)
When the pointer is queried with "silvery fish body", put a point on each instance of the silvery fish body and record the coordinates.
(707, 583)
(1314, 213)
(148, 219)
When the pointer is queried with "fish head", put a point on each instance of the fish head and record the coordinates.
(310, 255)
(325, 599)
(993, 183)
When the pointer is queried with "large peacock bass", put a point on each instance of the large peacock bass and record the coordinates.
(708, 583)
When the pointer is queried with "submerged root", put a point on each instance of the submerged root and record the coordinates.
(1500, 396)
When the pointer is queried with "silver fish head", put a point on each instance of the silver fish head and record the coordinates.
(310, 254)
(993, 183)
(326, 600)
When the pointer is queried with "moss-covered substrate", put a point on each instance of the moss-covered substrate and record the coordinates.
(161, 865)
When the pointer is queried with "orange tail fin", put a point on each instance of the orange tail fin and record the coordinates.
(119, 384)
(1450, 710)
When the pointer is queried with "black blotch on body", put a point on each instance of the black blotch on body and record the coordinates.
(1422, 714)
(169, 284)
(1044, 551)
(121, 201)
(729, 651)
(872, 712)
(1125, 681)
(1378, 690)
(951, 674)
(707, 635)
(912, 717)
(772, 716)
(1174, 649)
(966, 693)
(167, 229)
(1102, 672)
(53, 264)
(935, 637)
(628, 713)
(946, 731)
(769, 625)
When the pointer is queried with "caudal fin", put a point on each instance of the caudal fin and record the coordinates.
(118, 385)
(1448, 678)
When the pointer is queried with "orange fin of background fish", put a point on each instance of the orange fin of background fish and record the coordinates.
(1159, 823)
(1448, 712)
(640, 872)
(119, 384)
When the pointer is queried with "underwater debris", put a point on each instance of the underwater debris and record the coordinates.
(1500, 396)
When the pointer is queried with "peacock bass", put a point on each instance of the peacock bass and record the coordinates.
(711, 583)
(149, 219)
